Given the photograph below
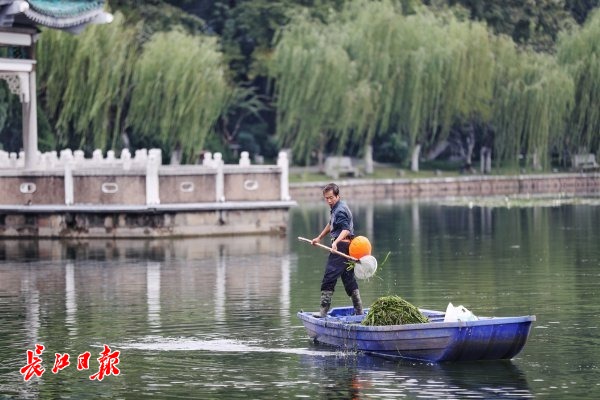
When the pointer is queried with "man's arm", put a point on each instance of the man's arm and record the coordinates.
(323, 233)
(343, 234)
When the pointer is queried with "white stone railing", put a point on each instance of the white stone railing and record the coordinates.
(54, 160)
(144, 161)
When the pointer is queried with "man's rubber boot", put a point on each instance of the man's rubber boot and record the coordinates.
(326, 296)
(357, 302)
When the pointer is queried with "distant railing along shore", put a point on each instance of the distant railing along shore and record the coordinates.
(561, 184)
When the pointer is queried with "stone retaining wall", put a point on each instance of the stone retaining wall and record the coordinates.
(73, 197)
(144, 184)
(367, 189)
(133, 222)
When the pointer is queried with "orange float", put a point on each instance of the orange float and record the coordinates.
(360, 247)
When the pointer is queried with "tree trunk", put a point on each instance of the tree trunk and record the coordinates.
(470, 147)
(414, 161)
(369, 159)
(438, 149)
(321, 152)
(482, 155)
(536, 161)
(176, 156)
(486, 160)
(125, 140)
(321, 160)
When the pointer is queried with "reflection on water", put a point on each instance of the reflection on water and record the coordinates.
(215, 317)
(361, 376)
(135, 271)
(73, 297)
(135, 249)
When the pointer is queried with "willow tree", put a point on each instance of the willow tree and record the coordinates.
(446, 76)
(532, 100)
(579, 53)
(371, 69)
(314, 82)
(84, 82)
(179, 91)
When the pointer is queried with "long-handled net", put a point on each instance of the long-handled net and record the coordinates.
(364, 267)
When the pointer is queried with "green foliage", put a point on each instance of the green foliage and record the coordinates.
(533, 99)
(253, 139)
(11, 124)
(370, 69)
(389, 73)
(244, 112)
(179, 90)
(247, 28)
(11, 136)
(391, 149)
(580, 9)
(579, 53)
(85, 81)
(157, 16)
(532, 23)
(247, 143)
(168, 93)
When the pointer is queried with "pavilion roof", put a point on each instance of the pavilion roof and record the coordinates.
(71, 15)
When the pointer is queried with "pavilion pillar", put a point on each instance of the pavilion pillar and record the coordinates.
(21, 78)
(30, 132)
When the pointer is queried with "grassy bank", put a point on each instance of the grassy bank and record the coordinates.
(428, 170)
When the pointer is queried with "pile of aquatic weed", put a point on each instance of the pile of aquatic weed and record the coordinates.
(393, 310)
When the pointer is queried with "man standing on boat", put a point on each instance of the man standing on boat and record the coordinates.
(341, 230)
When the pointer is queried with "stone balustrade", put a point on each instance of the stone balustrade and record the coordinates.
(54, 160)
(69, 178)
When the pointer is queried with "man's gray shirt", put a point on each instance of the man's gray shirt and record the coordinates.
(341, 218)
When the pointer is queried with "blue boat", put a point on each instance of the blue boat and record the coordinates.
(488, 338)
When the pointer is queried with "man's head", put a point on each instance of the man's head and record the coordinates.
(331, 193)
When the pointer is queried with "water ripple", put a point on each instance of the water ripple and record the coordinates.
(153, 343)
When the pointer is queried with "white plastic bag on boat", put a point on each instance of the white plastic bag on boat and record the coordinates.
(460, 313)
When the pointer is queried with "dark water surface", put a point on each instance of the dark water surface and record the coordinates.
(215, 318)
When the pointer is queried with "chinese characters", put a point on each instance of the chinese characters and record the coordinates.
(108, 361)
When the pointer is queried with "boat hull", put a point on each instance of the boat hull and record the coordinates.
(488, 338)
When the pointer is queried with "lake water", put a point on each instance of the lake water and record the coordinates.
(215, 318)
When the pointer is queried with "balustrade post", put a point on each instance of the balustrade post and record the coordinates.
(220, 178)
(244, 159)
(69, 188)
(152, 193)
(284, 164)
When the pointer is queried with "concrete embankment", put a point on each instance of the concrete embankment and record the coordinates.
(567, 184)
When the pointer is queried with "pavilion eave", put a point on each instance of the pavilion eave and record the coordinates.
(20, 23)
(70, 15)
